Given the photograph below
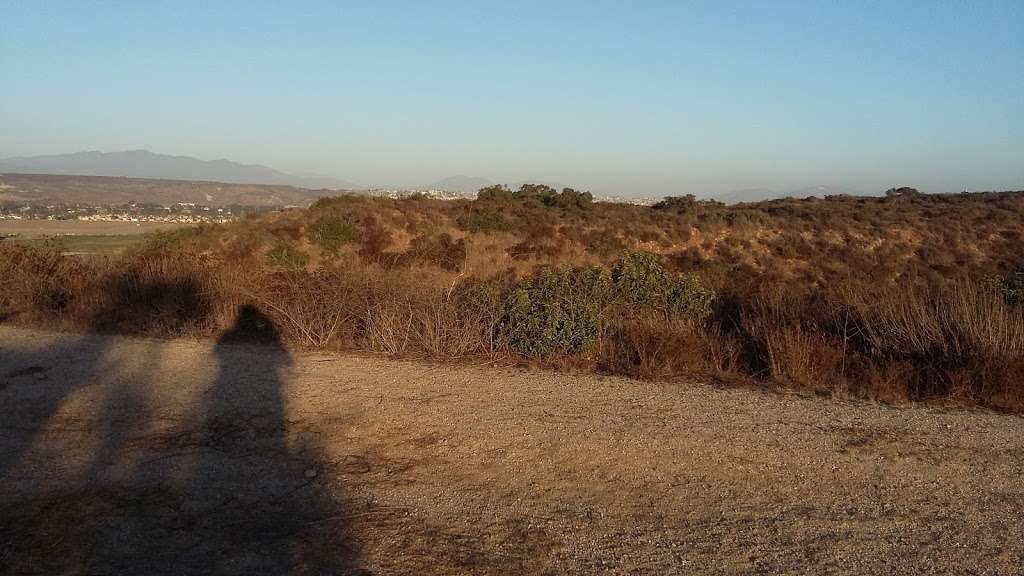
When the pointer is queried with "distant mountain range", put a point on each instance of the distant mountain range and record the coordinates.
(94, 190)
(146, 164)
(761, 194)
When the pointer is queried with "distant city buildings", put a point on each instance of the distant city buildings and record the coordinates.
(433, 193)
(180, 213)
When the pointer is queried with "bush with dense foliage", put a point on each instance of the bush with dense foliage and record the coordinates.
(642, 281)
(563, 310)
(540, 193)
(557, 311)
(483, 222)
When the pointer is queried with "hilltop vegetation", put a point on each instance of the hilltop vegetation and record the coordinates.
(902, 297)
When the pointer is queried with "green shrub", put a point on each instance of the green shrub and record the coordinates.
(555, 312)
(546, 195)
(344, 199)
(332, 232)
(483, 222)
(641, 280)
(563, 311)
(287, 256)
(496, 192)
(681, 203)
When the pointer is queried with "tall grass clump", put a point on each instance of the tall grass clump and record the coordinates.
(331, 232)
(966, 341)
(39, 283)
(286, 255)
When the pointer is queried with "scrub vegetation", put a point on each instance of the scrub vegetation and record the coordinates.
(905, 297)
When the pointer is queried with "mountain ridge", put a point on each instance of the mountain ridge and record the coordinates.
(147, 164)
(761, 194)
(96, 190)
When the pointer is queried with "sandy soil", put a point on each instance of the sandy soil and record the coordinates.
(135, 456)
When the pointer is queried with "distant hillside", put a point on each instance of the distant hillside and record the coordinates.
(460, 183)
(762, 194)
(108, 190)
(747, 195)
(146, 164)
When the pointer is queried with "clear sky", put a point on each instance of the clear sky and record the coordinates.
(642, 98)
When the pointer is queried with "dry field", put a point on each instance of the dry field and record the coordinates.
(80, 238)
(46, 188)
(137, 456)
(45, 228)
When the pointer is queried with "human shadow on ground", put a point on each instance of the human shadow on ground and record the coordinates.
(230, 488)
(255, 492)
(47, 377)
(41, 379)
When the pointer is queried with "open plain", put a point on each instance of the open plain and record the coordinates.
(31, 229)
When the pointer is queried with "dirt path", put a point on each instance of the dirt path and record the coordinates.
(134, 456)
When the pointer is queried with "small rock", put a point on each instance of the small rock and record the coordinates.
(311, 473)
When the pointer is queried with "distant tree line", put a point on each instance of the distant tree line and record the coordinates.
(567, 198)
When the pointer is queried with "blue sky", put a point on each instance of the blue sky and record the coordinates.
(644, 98)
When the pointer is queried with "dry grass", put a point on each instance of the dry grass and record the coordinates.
(855, 297)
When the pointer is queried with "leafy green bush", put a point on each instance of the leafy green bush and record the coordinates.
(680, 203)
(569, 198)
(687, 203)
(286, 256)
(483, 222)
(563, 311)
(343, 199)
(546, 195)
(332, 232)
(640, 280)
(496, 192)
(557, 311)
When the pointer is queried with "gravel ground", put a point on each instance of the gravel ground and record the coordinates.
(134, 456)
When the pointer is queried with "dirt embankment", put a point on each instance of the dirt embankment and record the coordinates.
(135, 456)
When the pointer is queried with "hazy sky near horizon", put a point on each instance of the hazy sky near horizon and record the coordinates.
(644, 98)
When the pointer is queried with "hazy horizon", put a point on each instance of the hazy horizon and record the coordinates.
(645, 101)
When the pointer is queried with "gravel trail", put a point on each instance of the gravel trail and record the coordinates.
(136, 456)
